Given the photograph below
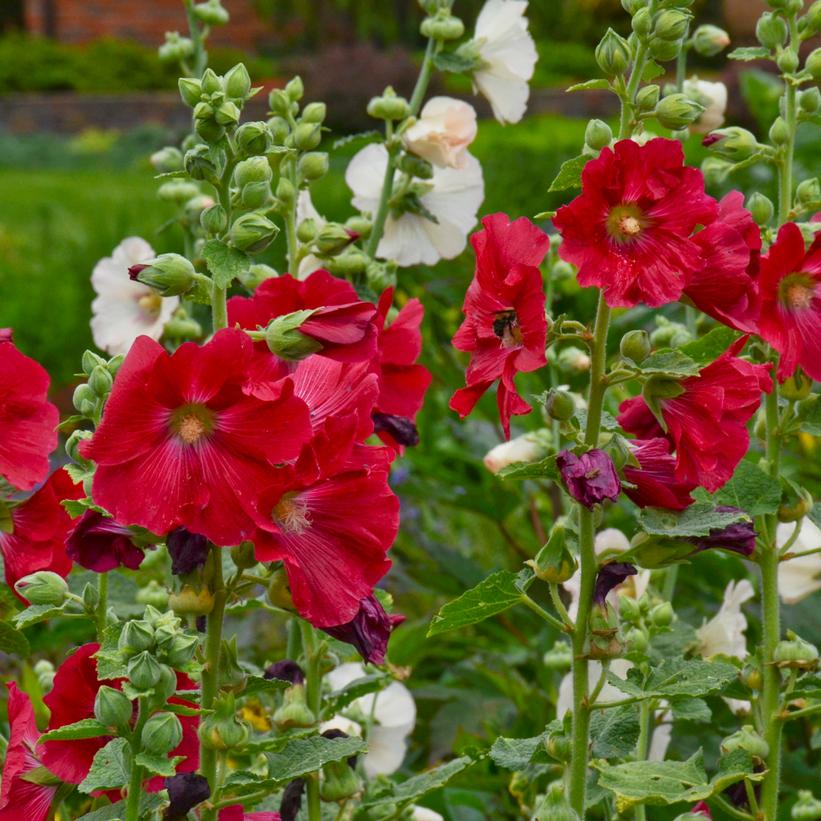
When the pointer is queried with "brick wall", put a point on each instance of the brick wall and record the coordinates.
(145, 21)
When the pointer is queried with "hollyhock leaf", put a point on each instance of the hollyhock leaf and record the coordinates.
(697, 520)
(747, 53)
(808, 686)
(307, 755)
(493, 595)
(668, 362)
(651, 70)
(692, 709)
(810, 416)
(356, 689)
(159, 764)
(257, 684)
(149, 803)
(13, 641)
(516, 753)
(570, 174)
(36, 613)
(85, 728)
(590, 85)
(677, 678)
(709, 347)
(608, 421)
(110, 769)
(110, 663)
(225, 263)
(421, 784)
(615, 732)
(544, 469)
(750, 489)
(453, 62)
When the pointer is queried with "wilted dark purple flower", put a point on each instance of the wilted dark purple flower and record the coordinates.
(185, 791)
(608, 577)
(401, 429)
(291, 800)
(590, 478)
(368, 631)
(188, 551)
(738, 537)
(100, 544)
(285, 670)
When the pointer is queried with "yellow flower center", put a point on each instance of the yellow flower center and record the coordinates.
(192, 423)
(291, 514)
(797, 291)
(630, 226)
(625, 222)
(150, 304)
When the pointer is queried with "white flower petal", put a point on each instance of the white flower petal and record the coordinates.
(564, 702)
(340, 677)
(365, 175)
(386, 751)
(724, 633)
(424, 814)
(799, 578)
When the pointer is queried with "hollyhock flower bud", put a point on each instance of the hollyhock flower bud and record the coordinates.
(559, 405)
(590, 478)
(663, 50)
(185, 791)
(597, 135)
(211, 13)
(368, 631)
(662, 614)
(672, 24)
(333, 238)
(677, 111)
(613, 54)
(285, 670)
(746, 739)
(442, 27)
(647, 98)
(243, 555)
(189, 601)
(222, 730)
(306, 136)
(175, 49)
(295, 88)
(642, 22)
(771, 30)
(733, 143)
(530, 447)
(807, 808)
(252, 233)
(169, 274)
(442, 133)
(609, 576)
(237, 83)
(100, 544)
(294, 710)
(389, 106)
(761, 208)
(313, 166)
(339, 782)
(795, 653)
(167, 159)
(42, 587)
(779, 131)
(808, 191)
(178, 191)
(181, 650)
(187, 550)
(283, 337)
(314, 113)
(254, 169)
(214, 219)
(554, 563)
(154, 594)
(636, 346)
(252, 139)
(144, 671)
(710, 40)
(112, 707)
(161, 733)
(136, 636)
(199, 165)
(190, 91)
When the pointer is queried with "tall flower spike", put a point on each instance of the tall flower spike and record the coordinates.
(505, 327)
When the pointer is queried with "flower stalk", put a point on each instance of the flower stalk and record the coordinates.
(313, 693)
(132, 809)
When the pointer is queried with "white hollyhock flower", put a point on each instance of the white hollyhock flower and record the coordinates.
(122, 309)
(424, 814)
(713, 96)
(454, 197)
(393, 714)
(724, 633)
(799, 578)
(443, 132)
(527, 448)
(508, 56)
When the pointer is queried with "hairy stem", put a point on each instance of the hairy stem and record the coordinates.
(132, 807)
(313, 695)
(102, 603)
(643, 745)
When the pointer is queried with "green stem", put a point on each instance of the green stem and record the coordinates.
(643, 745)
(423, 79)
(196, 31)
(587, 530)
(210, 672)
(313, 696)
(132, 807)
(626, 121)
(102, 603)
(219, 307)
(542, 613)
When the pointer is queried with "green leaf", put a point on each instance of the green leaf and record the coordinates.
(590, 85)
(493, 595)
(110, 663)
(750, 489)
(608, 421)
(515, 753)
(697, 520)
(159, 764)
(692, 709)
(453, 62)
(709, 347)
(356, 689)
(257, 684)
(543, 469)
(651, 70)
(13, 641)
(668, 362)
(149, 804)
(570, 174)
(615, 732)
(747, 53)
(808, 686)
(677, 678)
(110, 769)
(85, 728)
(669, 782)
(421, 784)
(36, 613)
(307, 755)
(810, 416)
(225, 263)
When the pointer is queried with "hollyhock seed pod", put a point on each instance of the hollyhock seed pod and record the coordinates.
(795, 653)
(161, 733)
(339, 782)
(42, 587)
(554, 563)
(613, 54)
(112, 707)
(192, 602)
(710, 40)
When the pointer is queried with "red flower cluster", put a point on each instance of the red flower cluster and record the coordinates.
(232, 443)
(505, 327)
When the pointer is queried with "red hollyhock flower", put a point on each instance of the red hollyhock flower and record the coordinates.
(725, 285)
(590, 478)
(28, 421)
(707, 422)
(72, 699)
(181, 443)
(654, 479)
(629, 230)
(505, 327)
(341, 322)
(22, 800)
(791, 302)
(98, 543)
(402, 382)
(330, 518)
(38, 529)
(369, 630)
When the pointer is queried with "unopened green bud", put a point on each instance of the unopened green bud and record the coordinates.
(339, 782)
(629, 609)
(662, 614)
(636, 640)
(154, 594)
(214, 220)
(101, 381)
(761, 208)
(573, 360)
(168, 274)
(635, 345)
(313, 166)
(672, 24)
(746, 739)
(243, 555)
(112, 707)
(648, 97)
(779, 132)
(222, 730)
(416, 166)
(787, 61)
(278, 593)
(642, 22)
(73, 444)
(90, 361)
(613, 54)
(255, 195)
(180, 326)
(632, 6)
(795, 653)
(285, 193)
(664, 50)
(211, 13)
(181, 650)
(285, 340)
(389, 106)
(380, 275)
(810, 100)
(361, 226)
(211, 82)
(677, 111)
(199, 165)
(85, 400)
(808, 191)
(254, 169)
(227, 114)
(295, 89)
(144, 670)
(558, 657)
(597, 135)
(807, 808)
(554, 563)
(771, 30)
(135, 637)
(306, 231)
(732, 143)
(669, 334)
(209, 130)
(42, 587)
(307, 136)
(190, 91)
(252, 233)
(280, 103)
(177, 191)
(796, 507)
(175, 49)
(710, 40)
(349, 264)
(252, 139)
(442, 27)
(559, 404)
(161, 734)
(167, 159)
(203, 111)
(314, 113)
(333, 238)
(555, 806)
(294, 711)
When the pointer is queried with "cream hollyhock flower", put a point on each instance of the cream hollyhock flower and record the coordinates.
(508, 57)
(724, 633)
(799, 578)
(122, 309)
(424, 814)
(713, 96)
(527, 448)
(453, 198)
(443, 132)
(393, 714)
